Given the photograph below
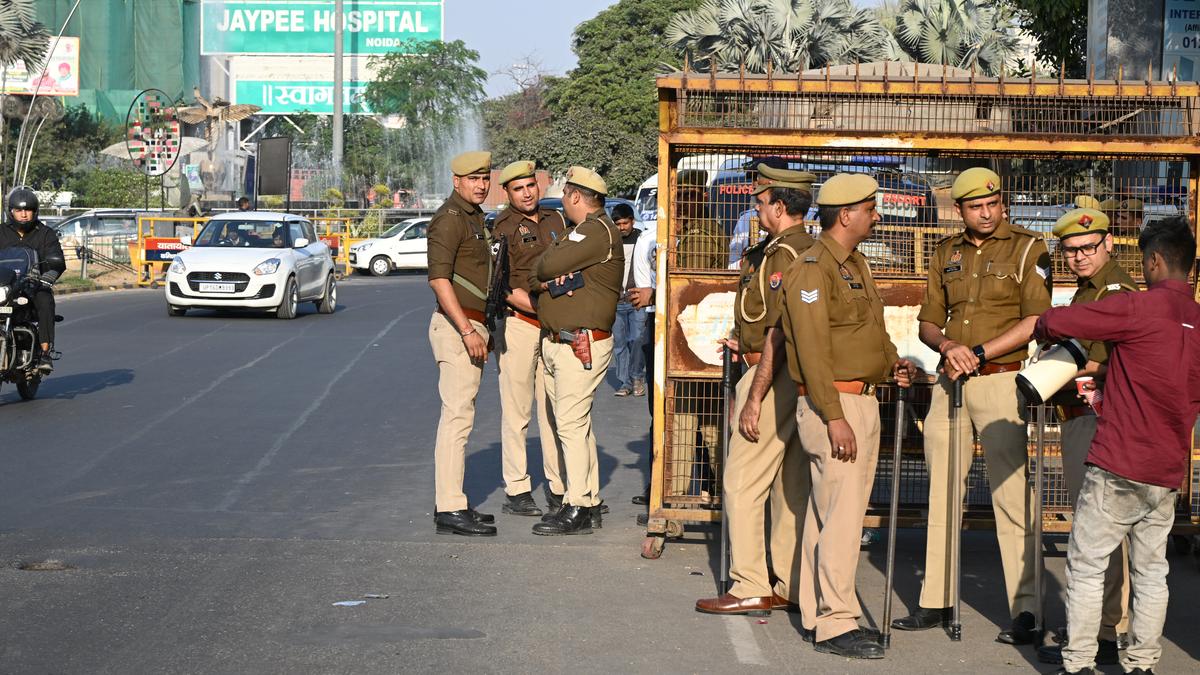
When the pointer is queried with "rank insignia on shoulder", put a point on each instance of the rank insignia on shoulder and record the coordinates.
(809, 297)
(1113, 287)
(453, 212)
(1043, 272)
(776, 280)
(810, 259)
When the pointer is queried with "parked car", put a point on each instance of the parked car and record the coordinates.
(403, 246)
(253, 260)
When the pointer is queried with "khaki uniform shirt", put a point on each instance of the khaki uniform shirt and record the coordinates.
(527, 240)
(702, 245)
(1110, 279)
(460, 244)
(975, 293)
(759, 301)
(833, 323)
(593, 247)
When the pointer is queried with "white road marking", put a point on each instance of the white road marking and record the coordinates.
(745, 646)
(235, 493)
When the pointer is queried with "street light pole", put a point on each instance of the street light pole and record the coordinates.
(338, 86)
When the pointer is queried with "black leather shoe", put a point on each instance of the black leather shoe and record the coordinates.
(1141, 671)
(643, 519)
(461, 522)
(809, 635)
(1023, 631)
(481, 517)
(521, 505)
(1106, 655)
(45, 363)
(553, 501)
(923, 619)
(602, 506)
(570, 519)
(642, 499)
(1082, 671)
(856, 644)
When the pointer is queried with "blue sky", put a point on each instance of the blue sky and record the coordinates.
(504, 33)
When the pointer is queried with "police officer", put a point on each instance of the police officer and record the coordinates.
(700, 244)
(838, 349)
(460, 263)
(1129, 217)
(983, 281)
(1087, 245)
(22, 228)
(530, 230)
(765, 458)
(591, 249)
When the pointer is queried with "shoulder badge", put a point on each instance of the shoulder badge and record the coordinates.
(810, 258)
(956, 257)
(776, 280)
(453, 212)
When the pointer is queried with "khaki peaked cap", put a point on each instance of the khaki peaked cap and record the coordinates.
(1088, 202)
(584, 177)
(770, 177)
(519, 169)
(468, 163)
(847, 189)
(975, 183)
(1081, 221)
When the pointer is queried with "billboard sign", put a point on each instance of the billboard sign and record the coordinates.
(60, 76)
(1181, 40)
(307, 26)
(283, 97)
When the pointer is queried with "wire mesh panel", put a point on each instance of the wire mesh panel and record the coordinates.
(694, 436)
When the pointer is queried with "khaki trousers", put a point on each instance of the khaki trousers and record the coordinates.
(990, 406)
(1077, 437)
(458, 384)
(570, 390)
(832, 533)
(774, 467)
(522, 382)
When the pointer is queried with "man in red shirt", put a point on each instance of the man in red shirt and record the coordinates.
(1139, 457)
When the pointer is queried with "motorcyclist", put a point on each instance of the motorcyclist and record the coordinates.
(23, 229)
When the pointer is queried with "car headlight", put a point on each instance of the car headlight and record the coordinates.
(177, 266)
(268, 266)
(363, 246)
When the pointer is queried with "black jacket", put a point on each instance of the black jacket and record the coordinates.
(44, 241)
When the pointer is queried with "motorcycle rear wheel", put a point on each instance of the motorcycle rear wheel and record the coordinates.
(28, 388)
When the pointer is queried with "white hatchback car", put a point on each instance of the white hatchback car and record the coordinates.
(403, 246)
(253, 260)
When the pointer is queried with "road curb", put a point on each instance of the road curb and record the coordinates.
(76, 290)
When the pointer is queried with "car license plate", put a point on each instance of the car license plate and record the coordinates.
(216, 288)
(5, 310)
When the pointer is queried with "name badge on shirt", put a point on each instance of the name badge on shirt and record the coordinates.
(856, 286)
(529, 239)
(951, 269)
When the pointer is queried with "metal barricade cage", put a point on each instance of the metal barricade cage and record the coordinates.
(1130, 148)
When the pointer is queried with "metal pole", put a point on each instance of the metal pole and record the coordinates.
(956, 504)
(1038, 487)
(893, 513)
(728, 382)
(338, 29)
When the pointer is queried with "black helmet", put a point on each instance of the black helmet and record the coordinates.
(22, 198)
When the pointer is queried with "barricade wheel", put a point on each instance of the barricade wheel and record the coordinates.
(675, 529)
(652, 547)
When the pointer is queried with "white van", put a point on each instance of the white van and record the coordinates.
(647, 194)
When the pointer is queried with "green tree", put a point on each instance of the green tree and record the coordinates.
(67, 143)
(22, 38)
(972, 34)
(1060, 28)
(98, 188)
(792, 35)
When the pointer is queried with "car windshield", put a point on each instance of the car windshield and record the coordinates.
(394, 230)
(244, 234)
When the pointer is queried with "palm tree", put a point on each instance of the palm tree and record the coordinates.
(975, 34)
(22, 38)
(792, 35)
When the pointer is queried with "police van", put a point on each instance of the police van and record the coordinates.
(646, 201)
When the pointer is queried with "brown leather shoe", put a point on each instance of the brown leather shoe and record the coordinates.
(780, 602)
(731, 604)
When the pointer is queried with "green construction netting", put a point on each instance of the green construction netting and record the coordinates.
(127, 46)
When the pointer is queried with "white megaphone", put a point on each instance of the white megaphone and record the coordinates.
(1050, 369)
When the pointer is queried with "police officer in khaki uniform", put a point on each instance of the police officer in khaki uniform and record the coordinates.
(460, 263)
(1086, 244)
(700, 242)
(529, 230)
(591, 249)
(765, 458)
(838, 349)
(982, 282)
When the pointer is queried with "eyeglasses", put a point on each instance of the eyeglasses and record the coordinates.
(1088, 250)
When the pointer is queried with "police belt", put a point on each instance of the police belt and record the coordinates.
(1070, 412)
(997, 368)
(852, 387)
(596, 333)
(752, 358)
(527, 318)
(471, 314)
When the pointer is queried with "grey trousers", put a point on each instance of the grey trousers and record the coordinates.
(1109, 509)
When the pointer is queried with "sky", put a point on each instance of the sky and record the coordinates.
(505, 33)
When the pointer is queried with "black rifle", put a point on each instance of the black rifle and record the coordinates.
(498, 286)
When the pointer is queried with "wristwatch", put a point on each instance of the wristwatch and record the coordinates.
(978, 351)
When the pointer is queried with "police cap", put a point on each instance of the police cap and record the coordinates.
(847, 189)
(471, 162)
(975, 183)
(1081, 221)
(584, 177)
(519, 169)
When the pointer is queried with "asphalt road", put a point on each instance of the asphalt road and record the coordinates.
(213, 484)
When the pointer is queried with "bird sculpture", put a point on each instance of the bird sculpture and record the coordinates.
(214, 114)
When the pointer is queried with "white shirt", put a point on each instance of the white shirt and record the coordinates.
(645, 258)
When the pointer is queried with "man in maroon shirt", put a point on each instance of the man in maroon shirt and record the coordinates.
(1138, 459)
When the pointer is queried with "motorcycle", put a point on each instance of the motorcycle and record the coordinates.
(19, 345)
